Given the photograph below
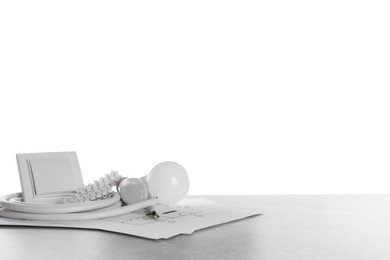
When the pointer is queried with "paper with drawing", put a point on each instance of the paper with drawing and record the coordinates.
(185, 218)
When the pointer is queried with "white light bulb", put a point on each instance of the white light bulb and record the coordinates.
(168, 181)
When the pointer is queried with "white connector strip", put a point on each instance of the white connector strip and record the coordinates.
(99, 190)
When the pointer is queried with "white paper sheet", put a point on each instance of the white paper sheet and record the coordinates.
(185, 218)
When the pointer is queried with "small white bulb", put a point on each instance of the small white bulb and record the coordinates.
(132, 190)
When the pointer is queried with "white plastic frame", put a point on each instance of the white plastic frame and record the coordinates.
(47, 177)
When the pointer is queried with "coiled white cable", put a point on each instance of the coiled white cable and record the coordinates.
(14, 202)
(93, 201)
(110, 207)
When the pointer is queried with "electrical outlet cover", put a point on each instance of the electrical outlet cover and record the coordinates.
(47, 177)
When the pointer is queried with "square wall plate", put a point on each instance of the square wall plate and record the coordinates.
(47, 177)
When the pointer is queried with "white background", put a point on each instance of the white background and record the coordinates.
(262, 97)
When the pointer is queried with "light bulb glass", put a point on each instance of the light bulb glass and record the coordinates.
(132, 190)
(169, 182)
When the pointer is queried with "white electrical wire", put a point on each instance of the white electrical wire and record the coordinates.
(16, 209)
(14, 202)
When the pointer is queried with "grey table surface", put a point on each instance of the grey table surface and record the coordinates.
(292, 227)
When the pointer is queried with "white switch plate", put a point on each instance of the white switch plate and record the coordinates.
(47, 177)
